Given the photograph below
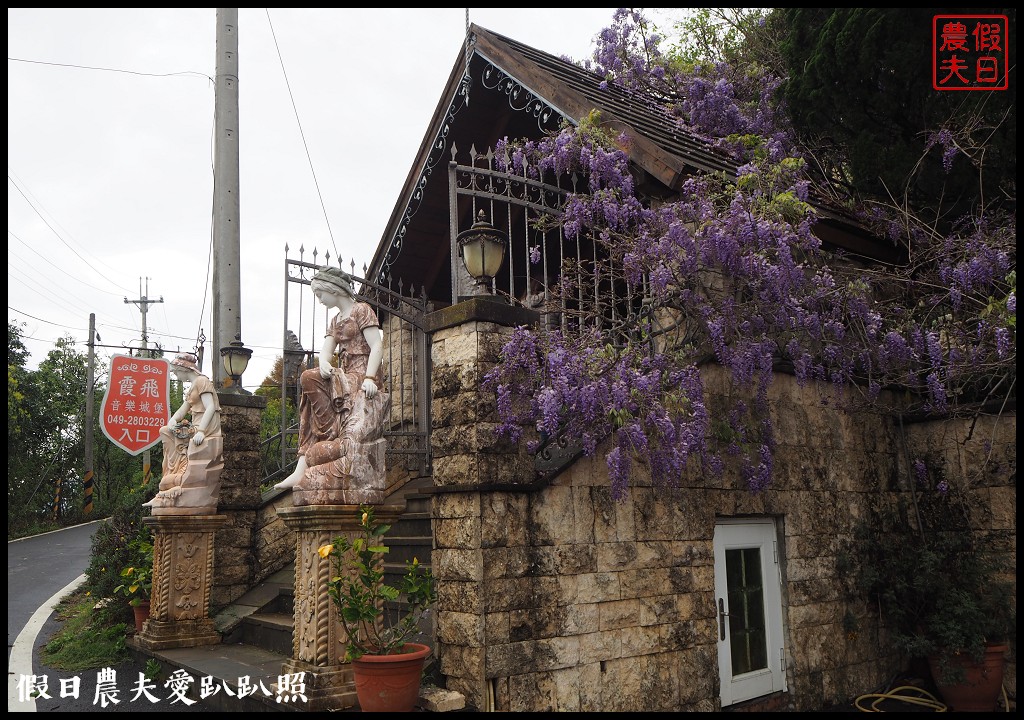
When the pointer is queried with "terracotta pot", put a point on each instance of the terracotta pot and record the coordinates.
(390, 683)
(979, 692)
(141, 614)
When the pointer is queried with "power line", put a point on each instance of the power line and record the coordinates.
(302, 135)
(47, 223)
(34, 287)
(50, 264)
(114, 70)
(48, 322)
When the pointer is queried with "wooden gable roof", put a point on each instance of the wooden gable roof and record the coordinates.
(516, 91)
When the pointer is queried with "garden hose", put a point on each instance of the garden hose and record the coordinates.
(920, 697)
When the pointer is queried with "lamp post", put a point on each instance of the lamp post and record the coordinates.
(482, 249)
(235, 358)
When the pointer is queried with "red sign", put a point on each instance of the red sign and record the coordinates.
(137, 402)
(969, 52)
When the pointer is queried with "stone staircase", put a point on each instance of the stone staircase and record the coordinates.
(270, 626)
(257, 628)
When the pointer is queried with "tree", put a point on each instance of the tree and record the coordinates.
(21, 406)
(271, 418)
(17, 413)
(46, 437)
(734, 274)
(45, 421)
(860, 97)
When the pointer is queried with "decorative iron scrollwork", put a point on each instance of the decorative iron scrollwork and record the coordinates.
(555, 455)
(437, 152)
(521, 99)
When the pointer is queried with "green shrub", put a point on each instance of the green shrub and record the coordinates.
(944, 589)
(115, 546)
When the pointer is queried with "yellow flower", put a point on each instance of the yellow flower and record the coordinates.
(366, 516)
(325, 550)
(415, 561)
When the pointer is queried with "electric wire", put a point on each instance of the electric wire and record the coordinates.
(14, 273)
(50, 264)
(113, 70)
(298, 122)
(45, 287)
(35, 209)
(59, 237)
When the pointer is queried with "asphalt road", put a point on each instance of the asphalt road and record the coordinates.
(38, 567)
(41, 570)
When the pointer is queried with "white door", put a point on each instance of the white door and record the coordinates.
(748, 602)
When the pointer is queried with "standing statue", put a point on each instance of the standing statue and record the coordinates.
(193, 449)
(342, 409)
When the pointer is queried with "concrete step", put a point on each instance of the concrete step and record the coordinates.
(275, 594)
(235, 670)
(411, 525)
(284, 603)
(401, 553)
(269, 630)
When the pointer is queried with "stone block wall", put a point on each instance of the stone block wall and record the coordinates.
(405, 369)
(555, 597)
(239, 498)
(558, 598)
(400, 362)
(979, 456)
(275, 541)
(467, 340)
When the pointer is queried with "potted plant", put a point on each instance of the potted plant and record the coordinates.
(945, 594)
(137, 578)
(379, 648)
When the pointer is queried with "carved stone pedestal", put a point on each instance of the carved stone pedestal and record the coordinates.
(318, 639)
(182, 580)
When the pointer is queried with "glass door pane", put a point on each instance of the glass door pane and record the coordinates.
(748, 637)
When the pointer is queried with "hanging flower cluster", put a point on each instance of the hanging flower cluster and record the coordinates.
(733, 273)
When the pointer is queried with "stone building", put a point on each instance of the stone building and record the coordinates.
(553, 596)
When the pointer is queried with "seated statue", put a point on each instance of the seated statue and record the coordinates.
(193, 448)
(342, 409)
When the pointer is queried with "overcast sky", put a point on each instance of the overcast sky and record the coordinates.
(110, 118)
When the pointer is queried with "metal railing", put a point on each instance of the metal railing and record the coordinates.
(405, 366)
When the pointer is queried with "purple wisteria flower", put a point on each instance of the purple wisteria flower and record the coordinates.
(732, 271)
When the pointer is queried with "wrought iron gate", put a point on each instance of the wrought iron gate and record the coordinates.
(543, 260)
(406, 367)
(569, 278)
(542, 255)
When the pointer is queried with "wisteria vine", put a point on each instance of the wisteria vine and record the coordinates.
(735, 276)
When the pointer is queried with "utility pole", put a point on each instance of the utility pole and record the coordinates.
(90, 391)
(227, 312)
(144, 303)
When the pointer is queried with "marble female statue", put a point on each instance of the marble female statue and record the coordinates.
(342, 409)
(193, 447)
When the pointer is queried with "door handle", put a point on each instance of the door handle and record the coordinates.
(722, 614)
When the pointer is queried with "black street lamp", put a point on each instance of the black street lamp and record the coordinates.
(235, 359)
(482, 249)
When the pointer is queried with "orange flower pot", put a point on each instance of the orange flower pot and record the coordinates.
(979, 692)
(390, 683)
(141, 614)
